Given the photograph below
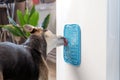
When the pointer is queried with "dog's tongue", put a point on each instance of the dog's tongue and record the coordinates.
(65, 42)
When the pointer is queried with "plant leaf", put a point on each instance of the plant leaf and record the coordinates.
(15, 30)
(34, 19)
(19, 31)
(26, 16)
(12, 30)
(27, 34)
(32, 11)
(46, 21)
(20, 17)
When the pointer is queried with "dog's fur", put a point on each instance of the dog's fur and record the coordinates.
(28, 61)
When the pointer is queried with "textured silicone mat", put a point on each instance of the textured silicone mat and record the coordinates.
(72, 52)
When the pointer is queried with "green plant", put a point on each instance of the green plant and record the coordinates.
(46, 21)
(29, 17)
(15, 29)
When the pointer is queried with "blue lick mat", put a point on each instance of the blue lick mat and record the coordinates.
(72, 52)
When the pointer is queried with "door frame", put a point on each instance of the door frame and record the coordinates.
(113, 40)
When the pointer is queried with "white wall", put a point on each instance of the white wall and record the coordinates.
(113, 40)
(45, 9)
(91, 15)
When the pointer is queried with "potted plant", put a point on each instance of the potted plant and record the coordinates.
(28, 17)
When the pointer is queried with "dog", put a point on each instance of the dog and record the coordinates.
(28, 60)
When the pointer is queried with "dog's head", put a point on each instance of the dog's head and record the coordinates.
(51, 39)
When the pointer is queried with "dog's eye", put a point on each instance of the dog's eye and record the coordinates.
(45, 30)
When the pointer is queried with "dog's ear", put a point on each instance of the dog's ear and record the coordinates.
(33, 30)
(28, 28)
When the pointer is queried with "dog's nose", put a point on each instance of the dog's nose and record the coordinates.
(65, 41)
